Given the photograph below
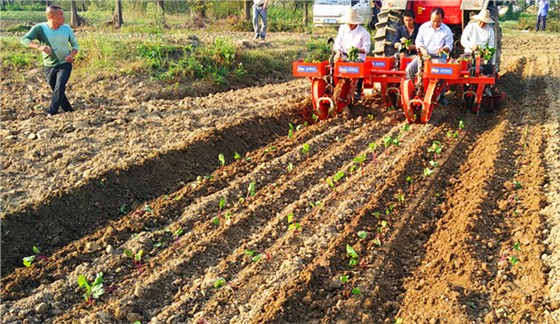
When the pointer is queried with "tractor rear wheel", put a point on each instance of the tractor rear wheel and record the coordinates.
(386, 32)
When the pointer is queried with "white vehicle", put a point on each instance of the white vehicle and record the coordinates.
(329, 12)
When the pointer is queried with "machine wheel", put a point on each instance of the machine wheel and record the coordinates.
(386, 32)
(410, 107)
(341, 94)
(318, 90)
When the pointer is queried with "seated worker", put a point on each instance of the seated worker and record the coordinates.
(351, 34)
(434, 41)
(477, 35)
(407, 31)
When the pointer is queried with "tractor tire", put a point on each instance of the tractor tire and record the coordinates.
(386, 32)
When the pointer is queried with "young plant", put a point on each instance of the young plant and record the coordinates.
(352, 254)
(428, 172)
(411, 182)
(250, 191)
(222, 160)
(219, 282)
(290, 167)
(359, 161)
(292, 224)
(136, 259)
(305, 150)
(236, 155)
(256, 257)
(27, 261)
(436, 148)
(400, 198)
(363, 234)
(461, 124)
(291, 130)
(94, 290)
(373, 147)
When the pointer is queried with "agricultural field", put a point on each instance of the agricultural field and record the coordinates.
(224, 206)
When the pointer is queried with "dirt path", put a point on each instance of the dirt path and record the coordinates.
(477, 240)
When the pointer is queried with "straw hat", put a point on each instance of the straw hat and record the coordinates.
(484, 16)
(352, 17)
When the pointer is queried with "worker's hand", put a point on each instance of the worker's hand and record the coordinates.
(474, 47)
(45, 49)
(337, 56)
(411, 47)
(362, 51)
(424, 52)
(403, 40)
(69, 58)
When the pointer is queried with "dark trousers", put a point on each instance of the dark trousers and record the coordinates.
(541, 19)
(57, 77)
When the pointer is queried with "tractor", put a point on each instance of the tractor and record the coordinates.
(333, 83)
(418, 97)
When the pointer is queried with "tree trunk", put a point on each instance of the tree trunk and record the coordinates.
(306, 13)
(75, 20)
(117, 17)
(248, 10)
(160, 4)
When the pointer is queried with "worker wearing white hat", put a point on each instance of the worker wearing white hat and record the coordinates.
(478, 35)
(351, 34)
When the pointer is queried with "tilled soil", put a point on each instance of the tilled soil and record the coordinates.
(477, 240)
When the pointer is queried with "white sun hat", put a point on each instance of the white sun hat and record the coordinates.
(352, 17)
(484, 16)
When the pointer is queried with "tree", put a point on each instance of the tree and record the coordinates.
(117, 17)
(75, 20)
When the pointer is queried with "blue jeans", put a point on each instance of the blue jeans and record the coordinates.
(259, 11)
(57, 77)
(539, 19)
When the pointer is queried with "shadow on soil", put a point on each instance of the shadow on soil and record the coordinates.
(70, 216)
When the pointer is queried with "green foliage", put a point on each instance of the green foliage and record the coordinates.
(318, 50)
(94, 290)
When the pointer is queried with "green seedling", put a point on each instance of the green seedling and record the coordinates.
(290, 167)
(315, 118)
(123, 209)
(256, 257)
(338, 139)
(377, 242)
(353, 54)
(352, 254)
(94, 290)
(405, 128)
(305, 149)
(513, 260)
(219, 282)
(376, 214)
(428, 172)
(363, 234)
(411, 182)
(236, 155)
(27, 261)
(136, 259)
(517, 185)
(344, 279)
(389, 209)
(401, 198)
(359, 161)
(291, 130)
(461, 124)
(454, 134)
(270, 149)
(434, 164)
(250, 191)
(160, 245)
(222, 160)
(373, 147)
(436, 148)
(388, 141)
(315, 204)
(292, 224)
